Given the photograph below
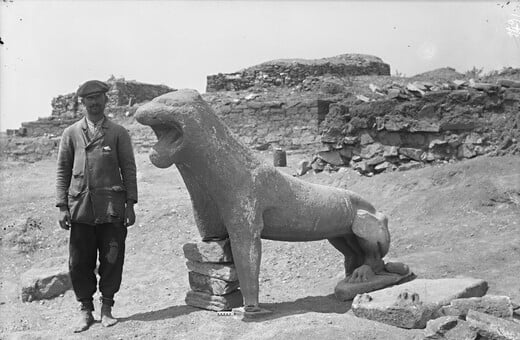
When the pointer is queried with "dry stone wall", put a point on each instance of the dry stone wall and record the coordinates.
(293, 72)
(259, 120)
(435, 126)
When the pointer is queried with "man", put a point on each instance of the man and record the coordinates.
(96, 191)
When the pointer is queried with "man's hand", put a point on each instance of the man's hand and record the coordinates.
(64, 219)
(129, 214)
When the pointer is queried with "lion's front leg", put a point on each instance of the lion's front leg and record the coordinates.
(244, 233)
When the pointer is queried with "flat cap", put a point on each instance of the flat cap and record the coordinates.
(92, 86)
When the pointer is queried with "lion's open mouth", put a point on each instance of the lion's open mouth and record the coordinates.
(169, 139)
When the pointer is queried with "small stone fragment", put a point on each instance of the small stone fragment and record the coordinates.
(436, 328)
(46, 280)
(491, 327)
(213, 251)
(391, 151)
(303, 167)
(332, 157)
(499, 306)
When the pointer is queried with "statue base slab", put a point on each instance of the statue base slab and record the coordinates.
(348, 290)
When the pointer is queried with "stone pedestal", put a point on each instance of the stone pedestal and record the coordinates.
(212, 276)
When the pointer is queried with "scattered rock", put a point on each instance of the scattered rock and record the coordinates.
(466, 151)
(436, 328)
(499, 306)
(46, 280)
(332, 157)
(303, 167)
(491, 327)
(412, 304)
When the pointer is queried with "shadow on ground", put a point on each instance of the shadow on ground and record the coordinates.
(317, 304)
(162, 314)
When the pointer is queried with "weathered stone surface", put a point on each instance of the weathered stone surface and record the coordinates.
(214, 302)
(436, 328)
(350, 140)
(303, 167)
(226, 272)
(347, 291)
(424, 126)
(391, 151)
(371, 150)
(366, 139)
(499, 306)
(449, 328)
(412, 304)
(383, 166)
(250, 199)
(466, 151)
(412, 153)
(211, 285)
(493, 328)
(213, 251)
(376, 160)
(46, 280)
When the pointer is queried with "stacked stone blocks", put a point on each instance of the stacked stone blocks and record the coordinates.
(212, 276)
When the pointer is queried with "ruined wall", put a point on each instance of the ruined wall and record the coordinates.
(292, 72)
(267, 119)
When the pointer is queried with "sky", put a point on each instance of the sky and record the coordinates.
(51, 47)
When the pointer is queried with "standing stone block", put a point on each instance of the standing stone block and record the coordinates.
(226, 272)
(499, 306)
(491, 327)
(45, 281)
(211, 285)
(214, 302)
(412, 304)
(214, 251)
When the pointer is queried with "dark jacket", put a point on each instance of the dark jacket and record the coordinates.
(96, 177)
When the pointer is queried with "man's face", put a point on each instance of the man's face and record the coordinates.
(95, 103)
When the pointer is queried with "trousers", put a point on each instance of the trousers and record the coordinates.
(85, 243)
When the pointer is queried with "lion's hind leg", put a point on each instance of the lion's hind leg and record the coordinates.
(372, 236)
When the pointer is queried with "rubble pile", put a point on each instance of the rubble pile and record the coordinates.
(421, 123)
(447, 309)
(212, 276)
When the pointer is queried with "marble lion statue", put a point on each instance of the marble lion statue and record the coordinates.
(236, 195)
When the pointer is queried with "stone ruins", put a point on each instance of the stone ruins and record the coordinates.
(344, 111)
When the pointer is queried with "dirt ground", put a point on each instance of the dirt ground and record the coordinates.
(445, 221)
